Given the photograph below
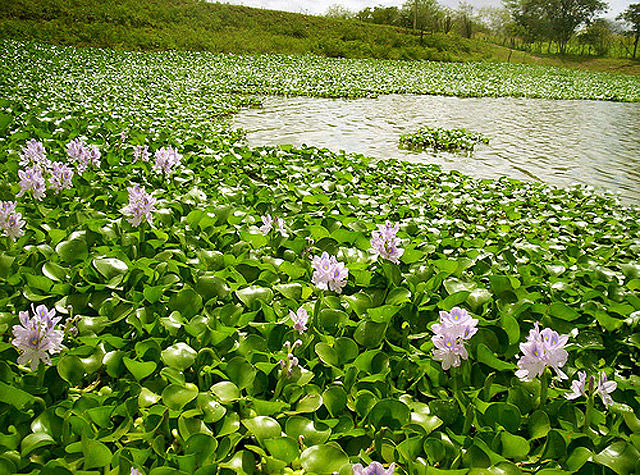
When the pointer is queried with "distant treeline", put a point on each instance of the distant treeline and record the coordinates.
(551, 26)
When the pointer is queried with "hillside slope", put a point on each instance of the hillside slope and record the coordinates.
(197, 25)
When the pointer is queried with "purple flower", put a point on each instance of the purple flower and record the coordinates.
(556, 354)
(141, 152)
(533, 362)
(11, 222)
(140, 207)
(37, 336)
(287, 366)
(32, 180)
(448, 349)
(605, 388)
(329, 273)
(374, 468)
(300, 319)
(83, 155)
(268, 222)
(135, 471)
(34, 154)
(385, 242)
(76, 149)
(166, 160)
(6, 209)
(457, 322)
(61, 177)
(450, 334)
(93, 154)
(541, 350)
(578, 386)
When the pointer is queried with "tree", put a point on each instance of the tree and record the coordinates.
(423, 15)
(465, 16)
(338, 11)
(597, 36)
(554, 20)
(631, 16)
(565, 16)
(380, 15)
(530, 19)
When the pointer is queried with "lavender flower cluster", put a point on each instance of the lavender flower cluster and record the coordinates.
(37, 337)
(83, 155)
(11, 222)
(374, 468)
(300, 319)
(167, 159)
(269, 221)
(543, 348)
(38, 168)
(141, 206)
(385, 242)
(604, 387)
(451, 332)
(329, 273)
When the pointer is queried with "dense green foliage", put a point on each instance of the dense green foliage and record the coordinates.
(182, 325)
(191, 87)
(442, 139)
(198, 25)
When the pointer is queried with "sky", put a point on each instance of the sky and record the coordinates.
(317, 7)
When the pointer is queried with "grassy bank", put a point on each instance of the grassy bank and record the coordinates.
(196, 25)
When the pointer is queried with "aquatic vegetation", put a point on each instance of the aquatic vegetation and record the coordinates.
(190, 322)
(442, 139)
(202, 345)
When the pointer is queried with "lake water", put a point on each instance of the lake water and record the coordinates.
(557, 142)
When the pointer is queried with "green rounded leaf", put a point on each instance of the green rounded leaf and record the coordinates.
(323, 459)
(179, 356)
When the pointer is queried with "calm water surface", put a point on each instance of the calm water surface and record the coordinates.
(556, 142)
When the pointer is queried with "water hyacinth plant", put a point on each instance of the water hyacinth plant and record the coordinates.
(61, 177)
(167, 160)
(11, 222)
(450, 140)
(329, 273)
(374, 468)
(385, 242)
(141, 206)
(141, 153)
(176, 364)
(37, 337)
(543, 349)
(453, 329)
(32, 180)
(83, 155)
(604, 388)
(268, 223)
(299, 319)
(34, 155)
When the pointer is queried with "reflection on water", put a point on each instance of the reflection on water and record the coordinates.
(557, 142)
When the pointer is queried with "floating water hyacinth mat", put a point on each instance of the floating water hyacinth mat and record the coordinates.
(194, 324)
(172, 301)
(437, 138)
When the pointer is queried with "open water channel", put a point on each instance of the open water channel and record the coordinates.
(557, 142)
